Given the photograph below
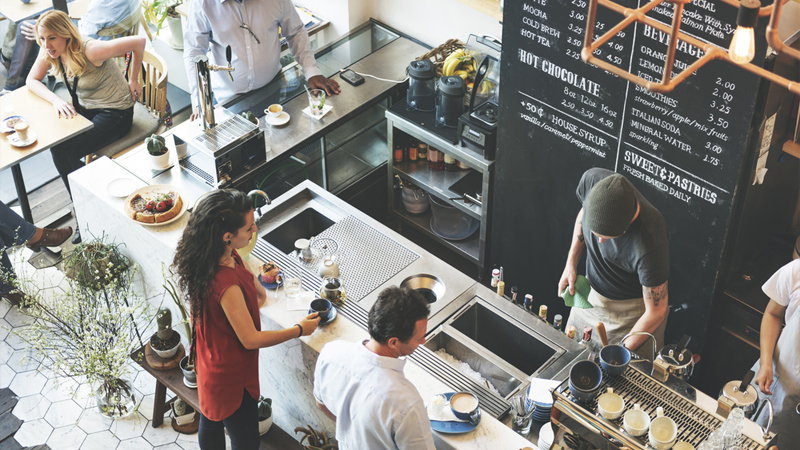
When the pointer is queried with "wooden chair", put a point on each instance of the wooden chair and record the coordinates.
(149, 110)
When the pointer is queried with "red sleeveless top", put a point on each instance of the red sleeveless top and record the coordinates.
(224, 367)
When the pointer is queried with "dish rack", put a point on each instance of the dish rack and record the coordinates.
(695, 421)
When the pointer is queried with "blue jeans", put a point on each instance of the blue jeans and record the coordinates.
(242, 427)
(109, 126)
(14, 230)
(22, 59)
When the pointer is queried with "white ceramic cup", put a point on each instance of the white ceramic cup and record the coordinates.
(636, 422)
(22, 130)
(610, 405)
(683, 445)
(663, 431)
(274, 111)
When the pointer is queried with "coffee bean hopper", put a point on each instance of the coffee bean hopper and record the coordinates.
(477, 128)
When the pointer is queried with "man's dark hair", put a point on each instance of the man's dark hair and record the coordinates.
(396, 313)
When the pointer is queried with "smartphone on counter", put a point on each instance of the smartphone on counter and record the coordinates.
(351, 77)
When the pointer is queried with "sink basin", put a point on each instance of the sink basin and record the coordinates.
(305, 224)
(518, 347)
(429, 286)
(505, 382)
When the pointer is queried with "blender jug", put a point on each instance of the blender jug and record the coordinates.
(450, 101)
(421, 86)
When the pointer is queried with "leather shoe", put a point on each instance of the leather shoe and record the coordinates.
(76, 238)
(52, 237)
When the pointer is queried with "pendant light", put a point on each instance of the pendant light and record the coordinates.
(743, 44)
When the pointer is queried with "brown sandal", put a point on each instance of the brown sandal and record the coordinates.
(52, 237)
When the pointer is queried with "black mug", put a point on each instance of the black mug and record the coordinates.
(321, 307)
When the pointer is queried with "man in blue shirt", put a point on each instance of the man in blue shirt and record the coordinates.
(361, 385)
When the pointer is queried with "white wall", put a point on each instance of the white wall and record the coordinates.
(337, 12)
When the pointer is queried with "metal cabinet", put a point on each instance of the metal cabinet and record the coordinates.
(447, 186)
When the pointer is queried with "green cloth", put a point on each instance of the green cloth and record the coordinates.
(581, 297)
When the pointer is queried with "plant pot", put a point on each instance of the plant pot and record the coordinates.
(160, 162)
(168, 353)
(264, 425)
(189, 376)
(115, 398)
(176, 30)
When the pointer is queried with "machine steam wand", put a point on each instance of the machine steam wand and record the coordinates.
(203, 73)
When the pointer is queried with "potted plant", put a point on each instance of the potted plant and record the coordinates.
(264, 414)
(184, 418)
(159, 152)
(251, 117)
(157, 12)
(165, 341)
(187, 362)
(90, 326)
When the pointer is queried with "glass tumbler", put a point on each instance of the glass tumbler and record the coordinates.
(316, 99)
(292, 285)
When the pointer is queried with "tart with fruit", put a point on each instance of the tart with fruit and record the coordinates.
(269, 272)
(154, 207)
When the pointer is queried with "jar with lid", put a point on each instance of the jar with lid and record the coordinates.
(449, 163)
(435, 160)
(398, 152)
(422, 151)
(412, 149)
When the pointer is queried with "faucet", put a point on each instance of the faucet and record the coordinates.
(266, 199)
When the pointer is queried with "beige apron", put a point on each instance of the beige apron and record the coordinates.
(619, 317)
(786, 388)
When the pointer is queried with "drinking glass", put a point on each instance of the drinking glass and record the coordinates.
(267, 136)
(292, 285)
(316, 98)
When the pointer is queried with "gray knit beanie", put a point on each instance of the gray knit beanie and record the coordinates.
(610, 206)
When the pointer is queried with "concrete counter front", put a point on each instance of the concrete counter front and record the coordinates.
(286, 370)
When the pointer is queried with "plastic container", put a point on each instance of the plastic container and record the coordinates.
(450, 223)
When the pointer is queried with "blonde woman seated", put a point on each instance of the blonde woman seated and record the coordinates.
(98, 89)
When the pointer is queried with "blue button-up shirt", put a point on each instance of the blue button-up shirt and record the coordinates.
(375, 406)
(105, 13)
(215, 24)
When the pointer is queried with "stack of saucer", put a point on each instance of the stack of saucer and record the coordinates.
(540, 396)
(546, 436)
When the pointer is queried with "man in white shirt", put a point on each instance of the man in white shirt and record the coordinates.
(361, 385)
(251, 28)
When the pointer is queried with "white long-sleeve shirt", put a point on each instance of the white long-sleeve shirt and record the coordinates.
(215, 24)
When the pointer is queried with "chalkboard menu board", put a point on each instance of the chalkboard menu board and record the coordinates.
(560, 116)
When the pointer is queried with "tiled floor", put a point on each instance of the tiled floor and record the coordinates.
(61, 412)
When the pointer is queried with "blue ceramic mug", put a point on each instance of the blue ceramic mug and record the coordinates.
(465, 406)
(321, 307)
(614, 359)
(585, 378)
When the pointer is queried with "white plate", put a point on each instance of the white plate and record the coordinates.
(282, 119)
(4, 128)
(121, 187)
(14, 140)
(156, 188)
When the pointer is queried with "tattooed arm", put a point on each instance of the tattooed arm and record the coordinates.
(575, 251)
(655, 304)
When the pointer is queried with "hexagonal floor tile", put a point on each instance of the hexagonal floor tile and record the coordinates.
(35, 432)
(188, 442)
(172, 446)
(31, 407)
(6, 376)
(5, 306)
(161, 435)
(137, 443)
(15, 340)
(145, 383)
(5, 352)
(129, 427)
(5, 328)
(23, 361)
(66, 438)
(28, 383)
(92, 421)
(17, 318)
(63, 413)
(103, 440)
(58, 389)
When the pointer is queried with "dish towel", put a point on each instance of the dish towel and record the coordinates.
(325, 110)
(581, 297)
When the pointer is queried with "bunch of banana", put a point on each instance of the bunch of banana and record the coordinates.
(459, 63)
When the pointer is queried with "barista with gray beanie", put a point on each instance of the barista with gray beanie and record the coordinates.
(627, 261)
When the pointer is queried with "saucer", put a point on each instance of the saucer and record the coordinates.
(121, 187)
(282, 119)
(331, 318)
(454, 427)
(14, 140)
(188, 384)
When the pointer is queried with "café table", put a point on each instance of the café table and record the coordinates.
(15, 10)
(49, 128)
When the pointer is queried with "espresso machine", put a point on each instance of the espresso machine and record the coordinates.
(220, 153)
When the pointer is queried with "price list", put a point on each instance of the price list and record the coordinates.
(680, 143)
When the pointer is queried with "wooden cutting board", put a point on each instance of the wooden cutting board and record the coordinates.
(159, 363)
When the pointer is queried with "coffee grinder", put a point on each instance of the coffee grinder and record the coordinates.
(477, 128)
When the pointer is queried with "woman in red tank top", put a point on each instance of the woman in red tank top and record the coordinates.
(225, 297)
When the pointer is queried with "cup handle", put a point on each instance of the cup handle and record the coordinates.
(473, 418)
(659, 411)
